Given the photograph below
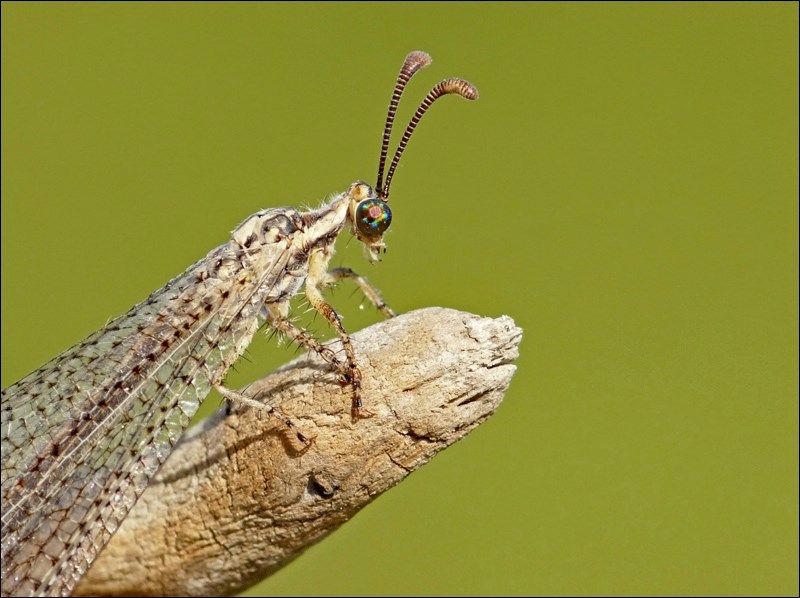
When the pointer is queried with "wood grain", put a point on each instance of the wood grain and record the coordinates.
(237, 499)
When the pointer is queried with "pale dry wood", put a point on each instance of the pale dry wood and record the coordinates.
(238, 499)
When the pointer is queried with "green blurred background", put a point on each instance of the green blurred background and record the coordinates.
(625, 189)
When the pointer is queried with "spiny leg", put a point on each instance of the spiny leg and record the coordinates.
(237, 397)
(304, 338)
(370, 292)
(347, 370)
(318, 276)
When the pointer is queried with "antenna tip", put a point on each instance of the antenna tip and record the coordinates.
(415, 61)
(460, 87)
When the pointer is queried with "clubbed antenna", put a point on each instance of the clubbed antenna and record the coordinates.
(413, 62)
(457, 86)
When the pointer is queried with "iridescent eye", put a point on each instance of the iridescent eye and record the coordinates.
(373, 217)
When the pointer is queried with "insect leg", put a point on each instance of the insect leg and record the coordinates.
(347, 370)
(370, 292)
(237, 397)
(317, 275)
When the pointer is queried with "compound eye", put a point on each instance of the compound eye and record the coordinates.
(373, 217)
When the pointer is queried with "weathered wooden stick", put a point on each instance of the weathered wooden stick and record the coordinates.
(240, 497)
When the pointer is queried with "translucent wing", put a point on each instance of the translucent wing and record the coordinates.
(82, 435)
